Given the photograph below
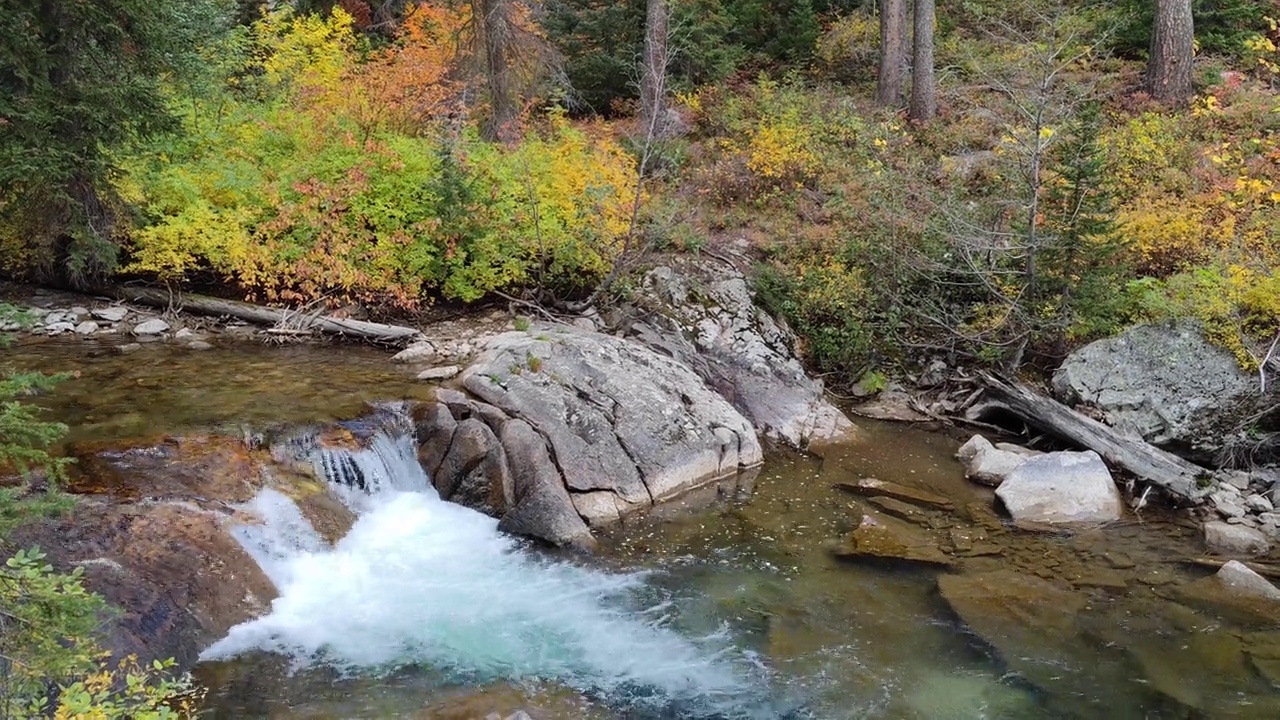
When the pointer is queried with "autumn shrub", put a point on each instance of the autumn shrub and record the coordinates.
(1199, 212)
(315, 181)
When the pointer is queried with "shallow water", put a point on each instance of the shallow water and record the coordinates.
(745, 594)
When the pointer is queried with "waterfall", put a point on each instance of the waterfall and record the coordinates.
(421, 582)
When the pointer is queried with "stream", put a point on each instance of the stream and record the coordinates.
(734, 608)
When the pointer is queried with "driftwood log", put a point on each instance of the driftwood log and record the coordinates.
(1132, 455)
(292, 319)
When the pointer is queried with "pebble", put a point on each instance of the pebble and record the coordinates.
(88, 327)
(57, 328)
(199, 345)
(154, 326)
(79, 311)
(183, 334)
(440, 373)
(1258, 504)
(112, 314)
(128, 348)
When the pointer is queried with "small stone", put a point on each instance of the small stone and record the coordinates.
(417, 352)
(464, 349)
(199, 345)
(113, 314)
(154, 326)
(1258, 504)
(1241, 579)
(79, 311)
(128, 348)
(88, 327)
(183, 334)
(992, 466)
(1235, 478)
(59, 327)
(1025, 452)
(1224, 539)
(440, 373)
(970, 449)
(1227, 505)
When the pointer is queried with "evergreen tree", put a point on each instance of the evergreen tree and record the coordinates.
(79, 80)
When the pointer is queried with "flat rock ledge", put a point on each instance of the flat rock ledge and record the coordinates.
(562, 430)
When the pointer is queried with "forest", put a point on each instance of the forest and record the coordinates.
(996, 181)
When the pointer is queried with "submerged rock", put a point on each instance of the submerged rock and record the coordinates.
(874, 487)
(1166, 384)
(881, 538)
(1031, 624)
(150, 530)
(1062, 487)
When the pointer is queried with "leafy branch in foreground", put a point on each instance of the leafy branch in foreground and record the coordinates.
(51, 664)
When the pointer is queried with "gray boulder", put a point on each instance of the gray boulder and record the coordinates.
(1242, 580)
(992, 466)
(154, 326)
(618, 417)
(112, 314)
(972, 447)
(542, 507)
(1227, 539)
(1062, 487)
(705, 316)
(1165, 384)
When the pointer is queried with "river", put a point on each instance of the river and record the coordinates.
(733, 609)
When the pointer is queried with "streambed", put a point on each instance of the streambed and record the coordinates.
(743, 597)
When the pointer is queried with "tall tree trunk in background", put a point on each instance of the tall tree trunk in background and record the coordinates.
(653, 83)
(893, 20)
(1172, 50)
(924, 100)
(496, 32)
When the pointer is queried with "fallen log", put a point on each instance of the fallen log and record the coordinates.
(257, 314)
(1264, 569)
(1132, 455)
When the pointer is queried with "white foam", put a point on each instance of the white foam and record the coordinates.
(422, 581)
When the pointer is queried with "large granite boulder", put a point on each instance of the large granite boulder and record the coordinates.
(705, 316)
(593, 427)
(1061, 487)
(1166, 384)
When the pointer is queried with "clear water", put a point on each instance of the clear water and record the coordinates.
(424, 611)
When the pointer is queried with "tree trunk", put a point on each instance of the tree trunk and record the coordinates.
(924, 101)
(296, 320)
(893, 58)
(653, 84)
(1172, 49)
(1145, 462)
(497, 36)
